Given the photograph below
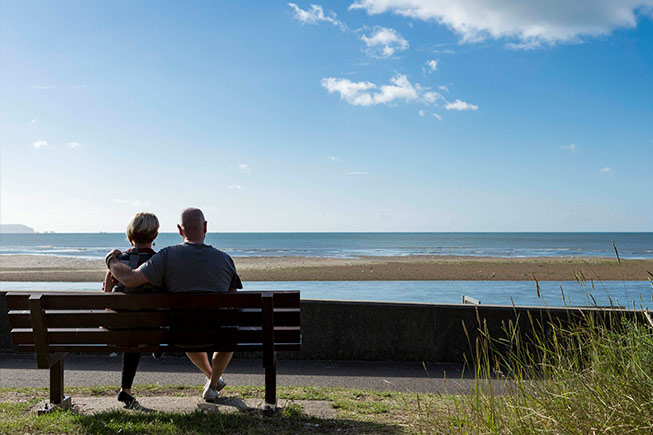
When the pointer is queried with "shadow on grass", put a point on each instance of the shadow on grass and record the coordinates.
(19, 419)
(287, 421)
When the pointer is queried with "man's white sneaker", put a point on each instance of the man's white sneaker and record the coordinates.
(211, 393)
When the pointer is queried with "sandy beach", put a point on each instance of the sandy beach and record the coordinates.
(51, 268)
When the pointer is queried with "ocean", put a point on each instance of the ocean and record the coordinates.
(350, 245)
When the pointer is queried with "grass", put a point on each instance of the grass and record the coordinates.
(357, 412)
(589, 373)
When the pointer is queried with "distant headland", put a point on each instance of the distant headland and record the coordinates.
(16, 229)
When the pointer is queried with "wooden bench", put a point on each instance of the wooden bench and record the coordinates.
(52, 324)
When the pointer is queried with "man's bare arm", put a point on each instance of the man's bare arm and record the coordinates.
(125, 274)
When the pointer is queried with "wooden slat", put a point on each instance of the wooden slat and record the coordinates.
(127, 337)
(238, 347)
(178, 319)
(17, 301)
(75, 300)
(288, 299)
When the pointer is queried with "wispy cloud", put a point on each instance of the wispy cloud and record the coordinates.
(436, 116)
(357, 173)
(529, 24)
(606, 169)
(431, 66)
(40, 144)
(384, 42)
(369, 94)
(460, 105)
(571, 147)
(133, 202)
(421, 113)
(33, 121)
(245, 168)
(443, 88)
(73, 144)
(334, 159)
(234, 187)
(315, 15)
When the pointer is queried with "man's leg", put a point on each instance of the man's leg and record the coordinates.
(201, 361)
(220, 361)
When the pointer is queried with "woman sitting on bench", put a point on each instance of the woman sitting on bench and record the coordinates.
(142, 229)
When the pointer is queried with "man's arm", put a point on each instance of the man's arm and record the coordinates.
(123, 273)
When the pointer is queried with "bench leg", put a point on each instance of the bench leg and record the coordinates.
(271, 385)
(57, 399)
(56, 383)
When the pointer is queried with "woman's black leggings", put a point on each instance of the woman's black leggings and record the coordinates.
(130, 362)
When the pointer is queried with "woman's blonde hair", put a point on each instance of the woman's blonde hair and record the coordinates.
(142, 228)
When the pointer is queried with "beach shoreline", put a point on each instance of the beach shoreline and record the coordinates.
(401, 268)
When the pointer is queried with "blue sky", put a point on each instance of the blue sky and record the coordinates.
(368, 115)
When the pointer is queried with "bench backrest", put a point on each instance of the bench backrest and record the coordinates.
(48, 323)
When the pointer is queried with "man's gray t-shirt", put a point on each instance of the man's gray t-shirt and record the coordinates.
(191, 267)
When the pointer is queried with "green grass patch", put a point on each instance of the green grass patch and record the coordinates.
(357, 412)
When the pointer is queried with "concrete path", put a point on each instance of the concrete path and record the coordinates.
(84, 370)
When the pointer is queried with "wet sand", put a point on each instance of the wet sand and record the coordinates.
(50, 268)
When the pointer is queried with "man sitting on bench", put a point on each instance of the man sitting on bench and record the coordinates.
(190, 266)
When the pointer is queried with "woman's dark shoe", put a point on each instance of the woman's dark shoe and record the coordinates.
(126, 398)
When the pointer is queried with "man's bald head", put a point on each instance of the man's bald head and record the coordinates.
(192, 225)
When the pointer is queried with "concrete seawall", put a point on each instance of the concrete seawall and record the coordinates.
(384, 331)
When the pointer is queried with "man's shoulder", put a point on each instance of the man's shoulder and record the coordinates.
(187, 247)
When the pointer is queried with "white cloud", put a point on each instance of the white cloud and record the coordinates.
(133, 202)
(530, 23)
(358, 173)
(39, 144)
(571, 147)
(436, 116)
(432, 65)
(33, 121)
(460, 105)
(315, 15)
(245, 168)
(606, 169)
(369, 94)
(334, 159)
(431, 97)
(234, 187)
(421, 113)
(383, 42)
(443, 88)
(73, 145)
(352, 92)
(400, 89)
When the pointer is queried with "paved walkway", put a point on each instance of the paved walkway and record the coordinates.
(85, 370)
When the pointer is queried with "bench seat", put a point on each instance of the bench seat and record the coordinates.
(51, 324)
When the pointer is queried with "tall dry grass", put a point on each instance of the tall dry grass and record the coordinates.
(589, 373)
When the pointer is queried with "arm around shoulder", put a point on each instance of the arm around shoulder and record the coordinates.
(126, 275)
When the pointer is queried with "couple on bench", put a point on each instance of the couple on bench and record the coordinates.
(190, 266)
